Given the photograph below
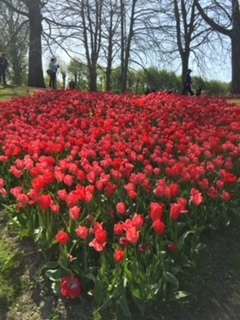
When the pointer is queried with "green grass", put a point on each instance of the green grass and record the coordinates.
(9, 263)
(237, 101)
(9, 92)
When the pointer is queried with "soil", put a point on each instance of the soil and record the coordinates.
(215, 286)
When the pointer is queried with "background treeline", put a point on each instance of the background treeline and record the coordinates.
(110, 36)
(140, 81)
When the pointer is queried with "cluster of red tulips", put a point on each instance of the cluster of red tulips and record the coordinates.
(118, 186)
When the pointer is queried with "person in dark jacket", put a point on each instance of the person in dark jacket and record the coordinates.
(53, 68)
(72, 85)
(199, 91)
(188, 84)
(3, 68)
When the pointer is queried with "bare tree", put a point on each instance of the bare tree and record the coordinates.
(125, 35)
(80, 21)
(105, 34)
(224, 17)
(191, 34)
(14, 34)
(91, 14)
(183, 34)
(110, 39)
(99, 30)
(31, 10)
(135, 35)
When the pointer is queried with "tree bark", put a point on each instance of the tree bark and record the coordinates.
(235, 48)
(35, 73)
(109, 56)
(126, 46)
(185, 60)
(122, 80)
(92, 78)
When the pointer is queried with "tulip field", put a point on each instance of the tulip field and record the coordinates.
(117, 190)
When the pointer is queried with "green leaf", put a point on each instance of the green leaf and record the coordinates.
(11, 208)
(169, 277)
(99, 291)
(200, 246)
(184, 236)
(56, 274)
(63, 263)
(128, 273)
(153, 290)
(175, 270)
(14, 221)
(178, 295)
(11, 262)
(38, 233)
(91, 276)
(50, 265)
(140, 305)
(136, 292)
(24, 233)
(124, 304)
(105, 304)
(181, 226)
(56, 288)
(125, 282)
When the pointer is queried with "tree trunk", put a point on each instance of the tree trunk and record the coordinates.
(108, 77)
(109, 68)
(123, 82)
(235, 64)
(185, 60)
(235, 49)
(109, 56)
(125, 55)
(92, 78)
(35, 73)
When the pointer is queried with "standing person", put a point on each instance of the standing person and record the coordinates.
(188, 84)
(72, 85)
(53, 67)
(3, 68)
(198, 91)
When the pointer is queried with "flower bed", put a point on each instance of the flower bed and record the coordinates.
(117, 189)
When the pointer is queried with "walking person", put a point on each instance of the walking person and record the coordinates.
(53, 67)
(3, 68)
(188, 84)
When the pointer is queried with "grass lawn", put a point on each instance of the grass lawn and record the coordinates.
(237, 101)
(9, 92)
